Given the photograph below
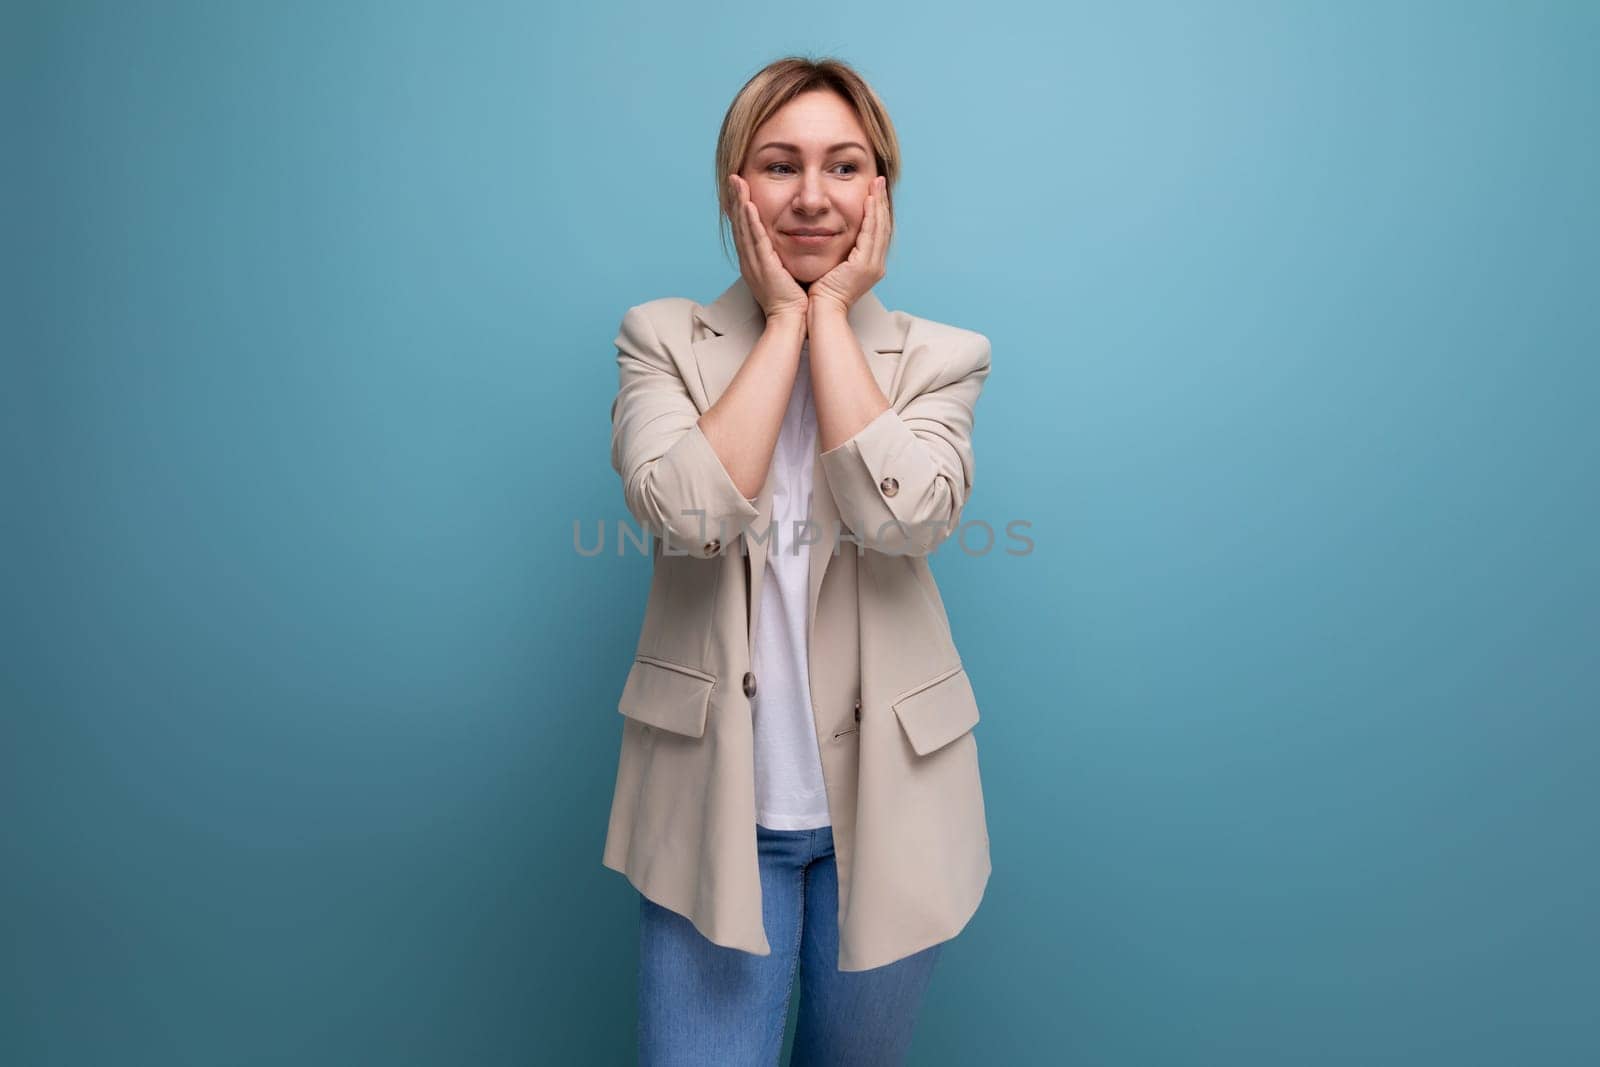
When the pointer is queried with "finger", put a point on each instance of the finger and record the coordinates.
(735, 209)
(758, 235)
(769, 254)
(770, 266)
(870, 225)
(880, 228)
(885, 227)
(750, 256)
(866, 240)
(861, 250)
(740, 216)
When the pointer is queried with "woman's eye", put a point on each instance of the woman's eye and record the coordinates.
(853, 167)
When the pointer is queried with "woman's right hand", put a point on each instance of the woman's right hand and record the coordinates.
(769, 280)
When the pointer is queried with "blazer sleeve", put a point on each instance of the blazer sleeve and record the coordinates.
(900, 483)
(673, 482)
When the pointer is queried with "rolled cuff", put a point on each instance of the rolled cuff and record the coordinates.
(691, 496)
(888, 488)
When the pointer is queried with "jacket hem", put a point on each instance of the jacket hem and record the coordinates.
(870, 962)
(763, 949)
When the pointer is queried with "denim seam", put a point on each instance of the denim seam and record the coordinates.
(794, 966)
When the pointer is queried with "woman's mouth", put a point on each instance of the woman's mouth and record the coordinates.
(807, 240)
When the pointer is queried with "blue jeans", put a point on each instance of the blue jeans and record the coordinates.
(701, 1003)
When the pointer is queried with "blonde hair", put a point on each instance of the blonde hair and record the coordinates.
(775, 85)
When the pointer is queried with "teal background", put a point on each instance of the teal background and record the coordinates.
(1289, 718)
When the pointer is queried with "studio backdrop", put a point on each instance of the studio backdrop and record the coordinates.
(1277, 585)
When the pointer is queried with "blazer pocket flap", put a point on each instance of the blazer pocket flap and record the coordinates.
(667, 695)
(938, 712)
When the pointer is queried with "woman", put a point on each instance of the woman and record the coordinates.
(798, 787)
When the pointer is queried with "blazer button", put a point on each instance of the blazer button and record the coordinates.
(749, 684)
(858, 709)
(713, 546)
(889, 486)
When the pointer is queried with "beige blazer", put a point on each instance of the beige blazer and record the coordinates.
(894, 708)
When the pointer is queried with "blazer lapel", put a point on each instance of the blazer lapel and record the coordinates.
(737, 321)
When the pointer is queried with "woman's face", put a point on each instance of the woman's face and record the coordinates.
(810, 167)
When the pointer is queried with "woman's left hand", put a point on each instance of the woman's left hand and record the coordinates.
(865, 266)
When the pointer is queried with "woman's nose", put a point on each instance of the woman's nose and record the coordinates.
(811, 194)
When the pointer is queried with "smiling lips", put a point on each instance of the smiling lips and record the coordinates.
(810, 237)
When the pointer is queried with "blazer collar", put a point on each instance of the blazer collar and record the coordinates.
(738, 320)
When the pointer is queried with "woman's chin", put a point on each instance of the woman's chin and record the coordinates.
(808, 269)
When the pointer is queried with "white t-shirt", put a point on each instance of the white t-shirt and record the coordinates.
(789, 787)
